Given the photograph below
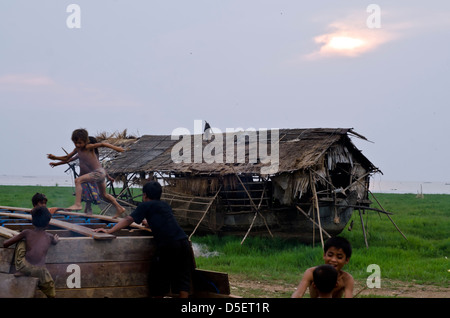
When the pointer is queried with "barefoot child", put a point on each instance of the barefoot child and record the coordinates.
(90, 192)
(337, 252)
(96, 173)
(38, 242)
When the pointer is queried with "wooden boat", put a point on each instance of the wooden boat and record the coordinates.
(89, 264)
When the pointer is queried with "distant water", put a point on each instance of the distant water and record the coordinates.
(376, 186)
(60, 180)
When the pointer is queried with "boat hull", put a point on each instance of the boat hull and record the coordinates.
(82, 266)
(282, 222)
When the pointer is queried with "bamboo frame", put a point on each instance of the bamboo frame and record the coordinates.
(254, 206)
(206, 211)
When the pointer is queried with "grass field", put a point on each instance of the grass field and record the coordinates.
(269, 263)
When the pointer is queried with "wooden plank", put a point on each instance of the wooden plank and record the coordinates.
(7, 233)
(220, 280)
(74, 250)
(102, 274)
(210, 281)
(101, 217)
(66, 225)
(83, 215)
(6, 259)
(106, 292)
(17, 287)
(23, 226)
(11, 208)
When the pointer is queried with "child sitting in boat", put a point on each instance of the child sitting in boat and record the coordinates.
(37, 244)
(337, 253)
(96, 173)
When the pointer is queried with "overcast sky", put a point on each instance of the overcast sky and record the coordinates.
(153, 66)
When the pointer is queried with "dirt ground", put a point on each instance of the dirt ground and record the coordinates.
(259, 289)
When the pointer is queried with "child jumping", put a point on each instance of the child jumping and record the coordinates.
(90, 193)
(97, 173)
(337, 253)
(37, 244)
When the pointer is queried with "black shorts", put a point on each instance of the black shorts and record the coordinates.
(171, 269)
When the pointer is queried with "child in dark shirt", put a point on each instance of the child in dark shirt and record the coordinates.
(173, 262)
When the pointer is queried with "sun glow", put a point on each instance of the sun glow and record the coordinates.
(348, 38)
(345, 43)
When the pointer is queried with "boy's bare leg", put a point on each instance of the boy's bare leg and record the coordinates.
(78, 190)
(108, 197)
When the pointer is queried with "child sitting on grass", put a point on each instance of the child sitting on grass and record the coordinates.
(337, 253)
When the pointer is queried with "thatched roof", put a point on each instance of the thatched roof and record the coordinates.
(298, 149)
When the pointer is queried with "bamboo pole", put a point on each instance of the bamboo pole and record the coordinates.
(312, 220)
(364, 208)
(206, 211)
(363, 229)
(387, 215)
(356, 181)
(385, 212)
(316, 201)
(249, 228)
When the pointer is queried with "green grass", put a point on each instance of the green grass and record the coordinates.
(20, 196)
(422, 259)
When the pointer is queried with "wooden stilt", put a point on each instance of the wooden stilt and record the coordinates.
(316, 202)
(363, 229)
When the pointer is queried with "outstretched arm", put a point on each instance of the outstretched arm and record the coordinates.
(14, 239)
(54, 164)
(123, 223)
(62, 158)
(105, 144)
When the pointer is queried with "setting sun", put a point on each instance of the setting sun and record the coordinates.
(345, 43)
(348, 39)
